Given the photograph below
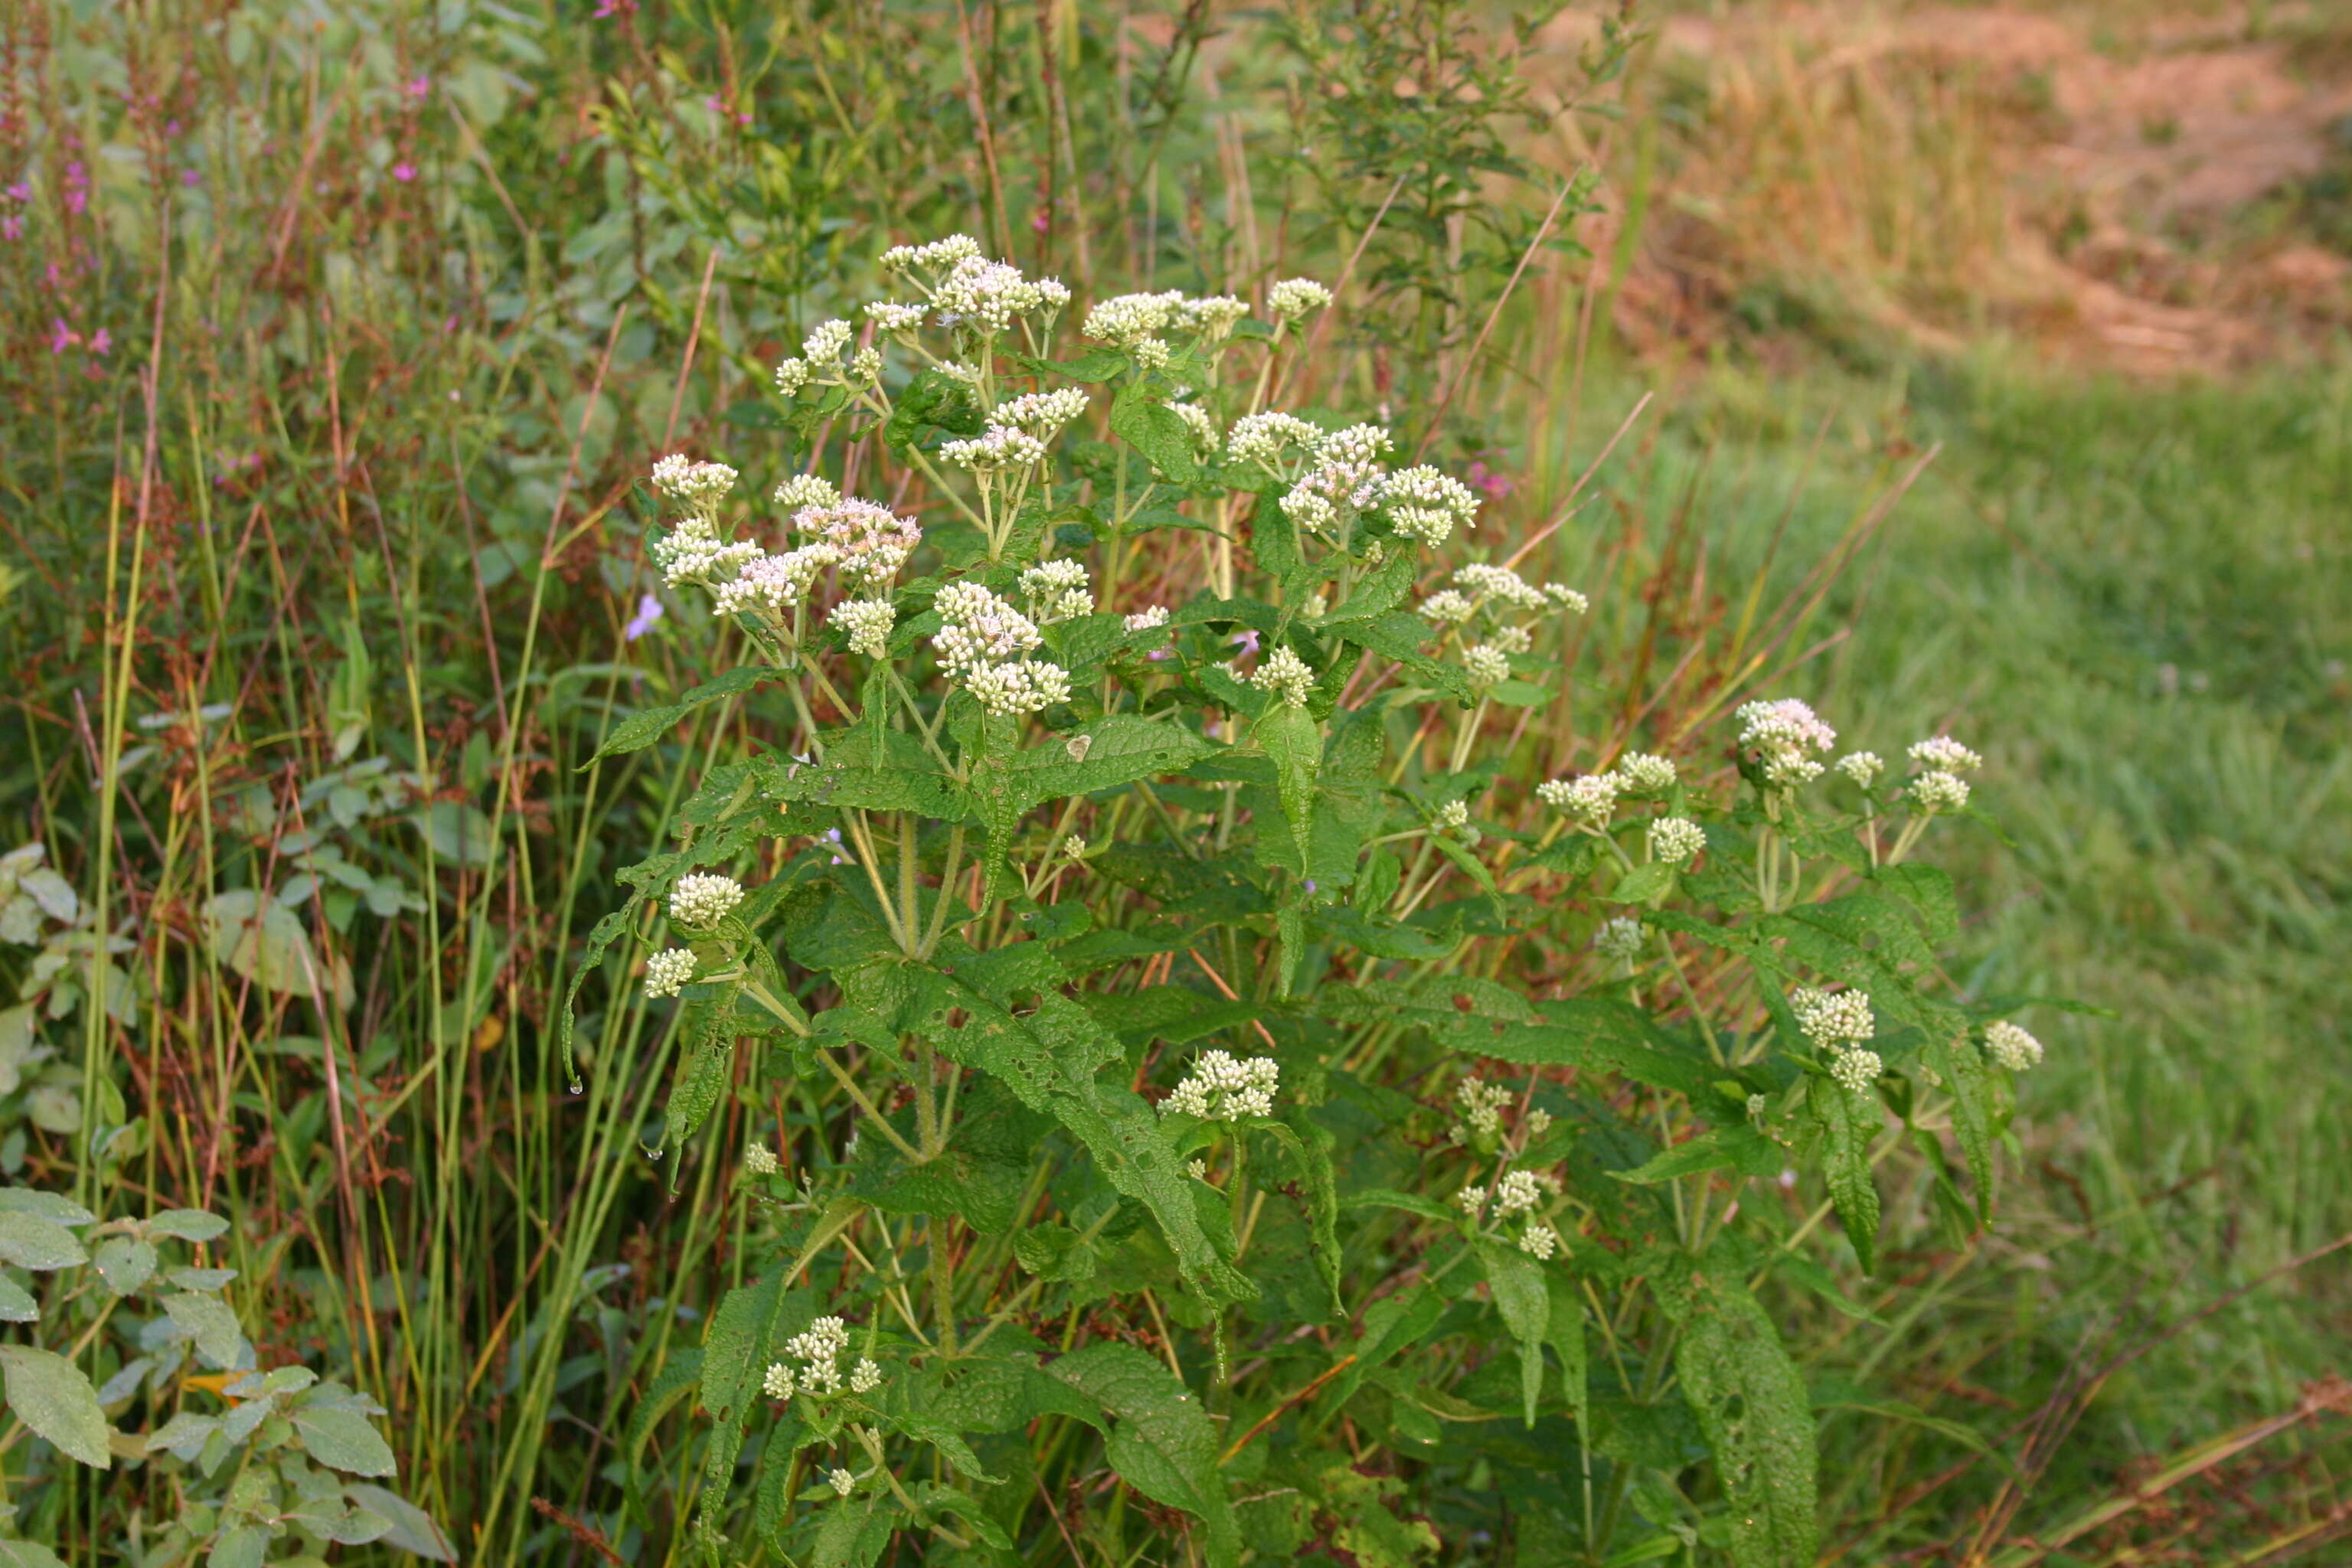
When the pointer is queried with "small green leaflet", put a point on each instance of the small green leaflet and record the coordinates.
(1522, 1296)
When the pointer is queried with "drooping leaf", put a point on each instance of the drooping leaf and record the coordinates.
(55, 1401)
(1523, 1298)
(648, 725)
(1160, 1441)
(207, 1321)
(1845, 1124)
(1975, 1107)
(1753, 1406)
(1295, 742)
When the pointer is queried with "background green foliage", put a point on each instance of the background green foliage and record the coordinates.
(326, 598)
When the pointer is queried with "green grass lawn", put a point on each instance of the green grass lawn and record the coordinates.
(2134, 601)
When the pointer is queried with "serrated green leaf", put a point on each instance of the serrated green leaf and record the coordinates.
(644, 727)
(1845, 1124)
(1753, 1406)
(1162, 1442)
(1975, 1108)
(1524, 1300)
(57, 1402)
(1292, 739)
(1155, 430)
(1645, 884)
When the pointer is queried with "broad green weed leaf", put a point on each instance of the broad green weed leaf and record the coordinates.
(1753, 1406)
(207, 1321)
(54, 1400)
(16, 1304)
(1162, 1442)
(343, 1440)
(1975, 1107)
(37, 1244)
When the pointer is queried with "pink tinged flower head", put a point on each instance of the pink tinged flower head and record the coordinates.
(101, 342)
(11, 227)
(404, 171)
(418, 87)
(61, 337)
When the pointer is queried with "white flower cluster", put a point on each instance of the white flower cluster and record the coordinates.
(1277, 442)
(1620, 937)
(1496, 588)
(968, 292)
(1516, 1193)
(1284, 674)
(702, 898)
(819, 1351)
(1057, 591)
(1042, 413)
(870, 543)
(1781, 733)
(1453, 816)
(1838, 1022)
(774, 581)
(1225, 1088)
(1345, 480)
(895, 319)
(985, 643)
(1448, 607)
(1296, 297)
(1676, 840)
(1639, 772)
(1424, 504)
(1486, 664)
(1482, 1105)
(1939, 787)
(1201, 424)
(820, 360)
(758, 1160)
(841, 1483)
(698, 484)
(2012, 1047)
(995, 449)
(1862, 767)
(1588, 801)
(868, 623)
(1144, 619)
(668, 972)
(692, 551)
(804, 491)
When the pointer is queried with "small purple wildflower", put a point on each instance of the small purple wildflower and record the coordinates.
(1246, 641)
(649, 610)
(404, 171)
(101, 342)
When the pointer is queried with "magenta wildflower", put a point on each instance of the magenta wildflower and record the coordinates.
(404, 171)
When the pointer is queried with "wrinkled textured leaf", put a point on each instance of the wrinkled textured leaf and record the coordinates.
(37, 1244)
(1754, 1408)
(1846, 1122)
(641, 728)
(343, 1440)
(1162, 1443)
(53, 1398)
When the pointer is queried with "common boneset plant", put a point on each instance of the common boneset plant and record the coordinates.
(1128, 924)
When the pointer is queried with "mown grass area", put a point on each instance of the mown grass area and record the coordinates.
(2135, 597)
(370, 500)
